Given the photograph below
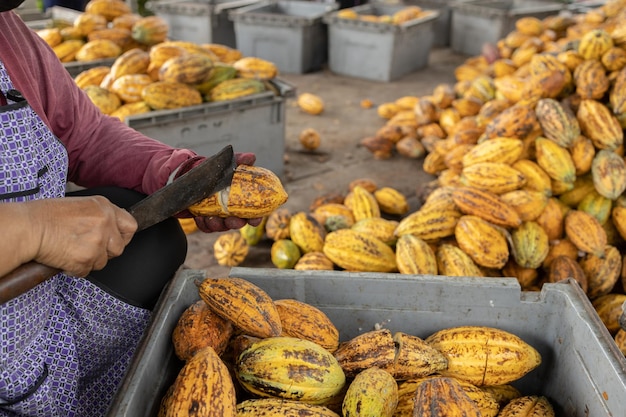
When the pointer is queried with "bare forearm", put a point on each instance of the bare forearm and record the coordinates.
(19, 241)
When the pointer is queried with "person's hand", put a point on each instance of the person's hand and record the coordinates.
(79, 234)
(214, 223)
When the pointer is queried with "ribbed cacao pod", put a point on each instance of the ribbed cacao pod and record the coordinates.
(374, 348)
(304, 321)
(254, 192)
(484, 355)
(355, 251)
(372, 392)
(244, 304)
(290, 368)
(198, 327)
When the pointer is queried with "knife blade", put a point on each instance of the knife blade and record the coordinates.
(210, 176)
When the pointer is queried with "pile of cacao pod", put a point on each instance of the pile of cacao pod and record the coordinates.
(246, 354)
(533, 129)
(148, 71)
(405, 14)
(105, 30)
(459, 230)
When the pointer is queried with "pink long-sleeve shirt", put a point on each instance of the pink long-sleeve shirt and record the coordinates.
(102, 150)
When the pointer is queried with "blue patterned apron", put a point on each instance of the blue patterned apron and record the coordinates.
(66, 344)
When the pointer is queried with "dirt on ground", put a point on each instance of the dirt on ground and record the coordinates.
(340, 159)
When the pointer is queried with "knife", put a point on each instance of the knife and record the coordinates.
(209, 177)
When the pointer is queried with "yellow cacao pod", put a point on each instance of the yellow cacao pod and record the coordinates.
(516, 121)
(202, 387)
(198, 327)
(86, 23)
(372, 392)
(482, 241)
(528, 204)
(230, 249)
(305, 321)
(529, 405)
(597, 205)
(594, 44)
(502, 150)
(415, 358)
(98, 49)
(617, 96)
(529, 245)
(255, 68)
(609, 309)
(557, 122)
(374, 348)
(310, 103)
(618, 217)
(598, 124)
(333, 210)
(429, 223)
(254, 192)
(377, 227)
(608, 171)
(150, 30)
(486, 205)
(602, 272)
(306, 232)
(284, 254)
(165, 95)
(244, 304)
(314, 261)
(290, 368)
(555, 160)
(484, 355)
(582, 187)
(52, 36)
(277, 225)
(551, 219)
(363, 203)
(130, 109)
(443, 396)
(391, 201)
(495, 177)
(536, 177)
(582, 151)
(110, 9)
(591, 80)
(107, 101)
(502, 393)
(190, 68)
(563, 267)
(415, 256)
(356, 251)
(91, 76)
(279, 407)
(235, 88)
(585, 232)
(452, 261)
(129, 87)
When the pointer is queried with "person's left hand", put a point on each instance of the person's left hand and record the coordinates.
(214, 223)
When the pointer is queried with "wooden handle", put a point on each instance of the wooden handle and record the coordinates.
(24, 278)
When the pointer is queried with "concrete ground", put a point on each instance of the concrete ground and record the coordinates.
(340, 159)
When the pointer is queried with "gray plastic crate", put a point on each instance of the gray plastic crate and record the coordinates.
(291, 34)
(442, 23)
(379, 51)
(199, 21)
(475, 23)
(582, 371)
(254, 123)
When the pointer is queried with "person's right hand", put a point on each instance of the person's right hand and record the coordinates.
(79, 234)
